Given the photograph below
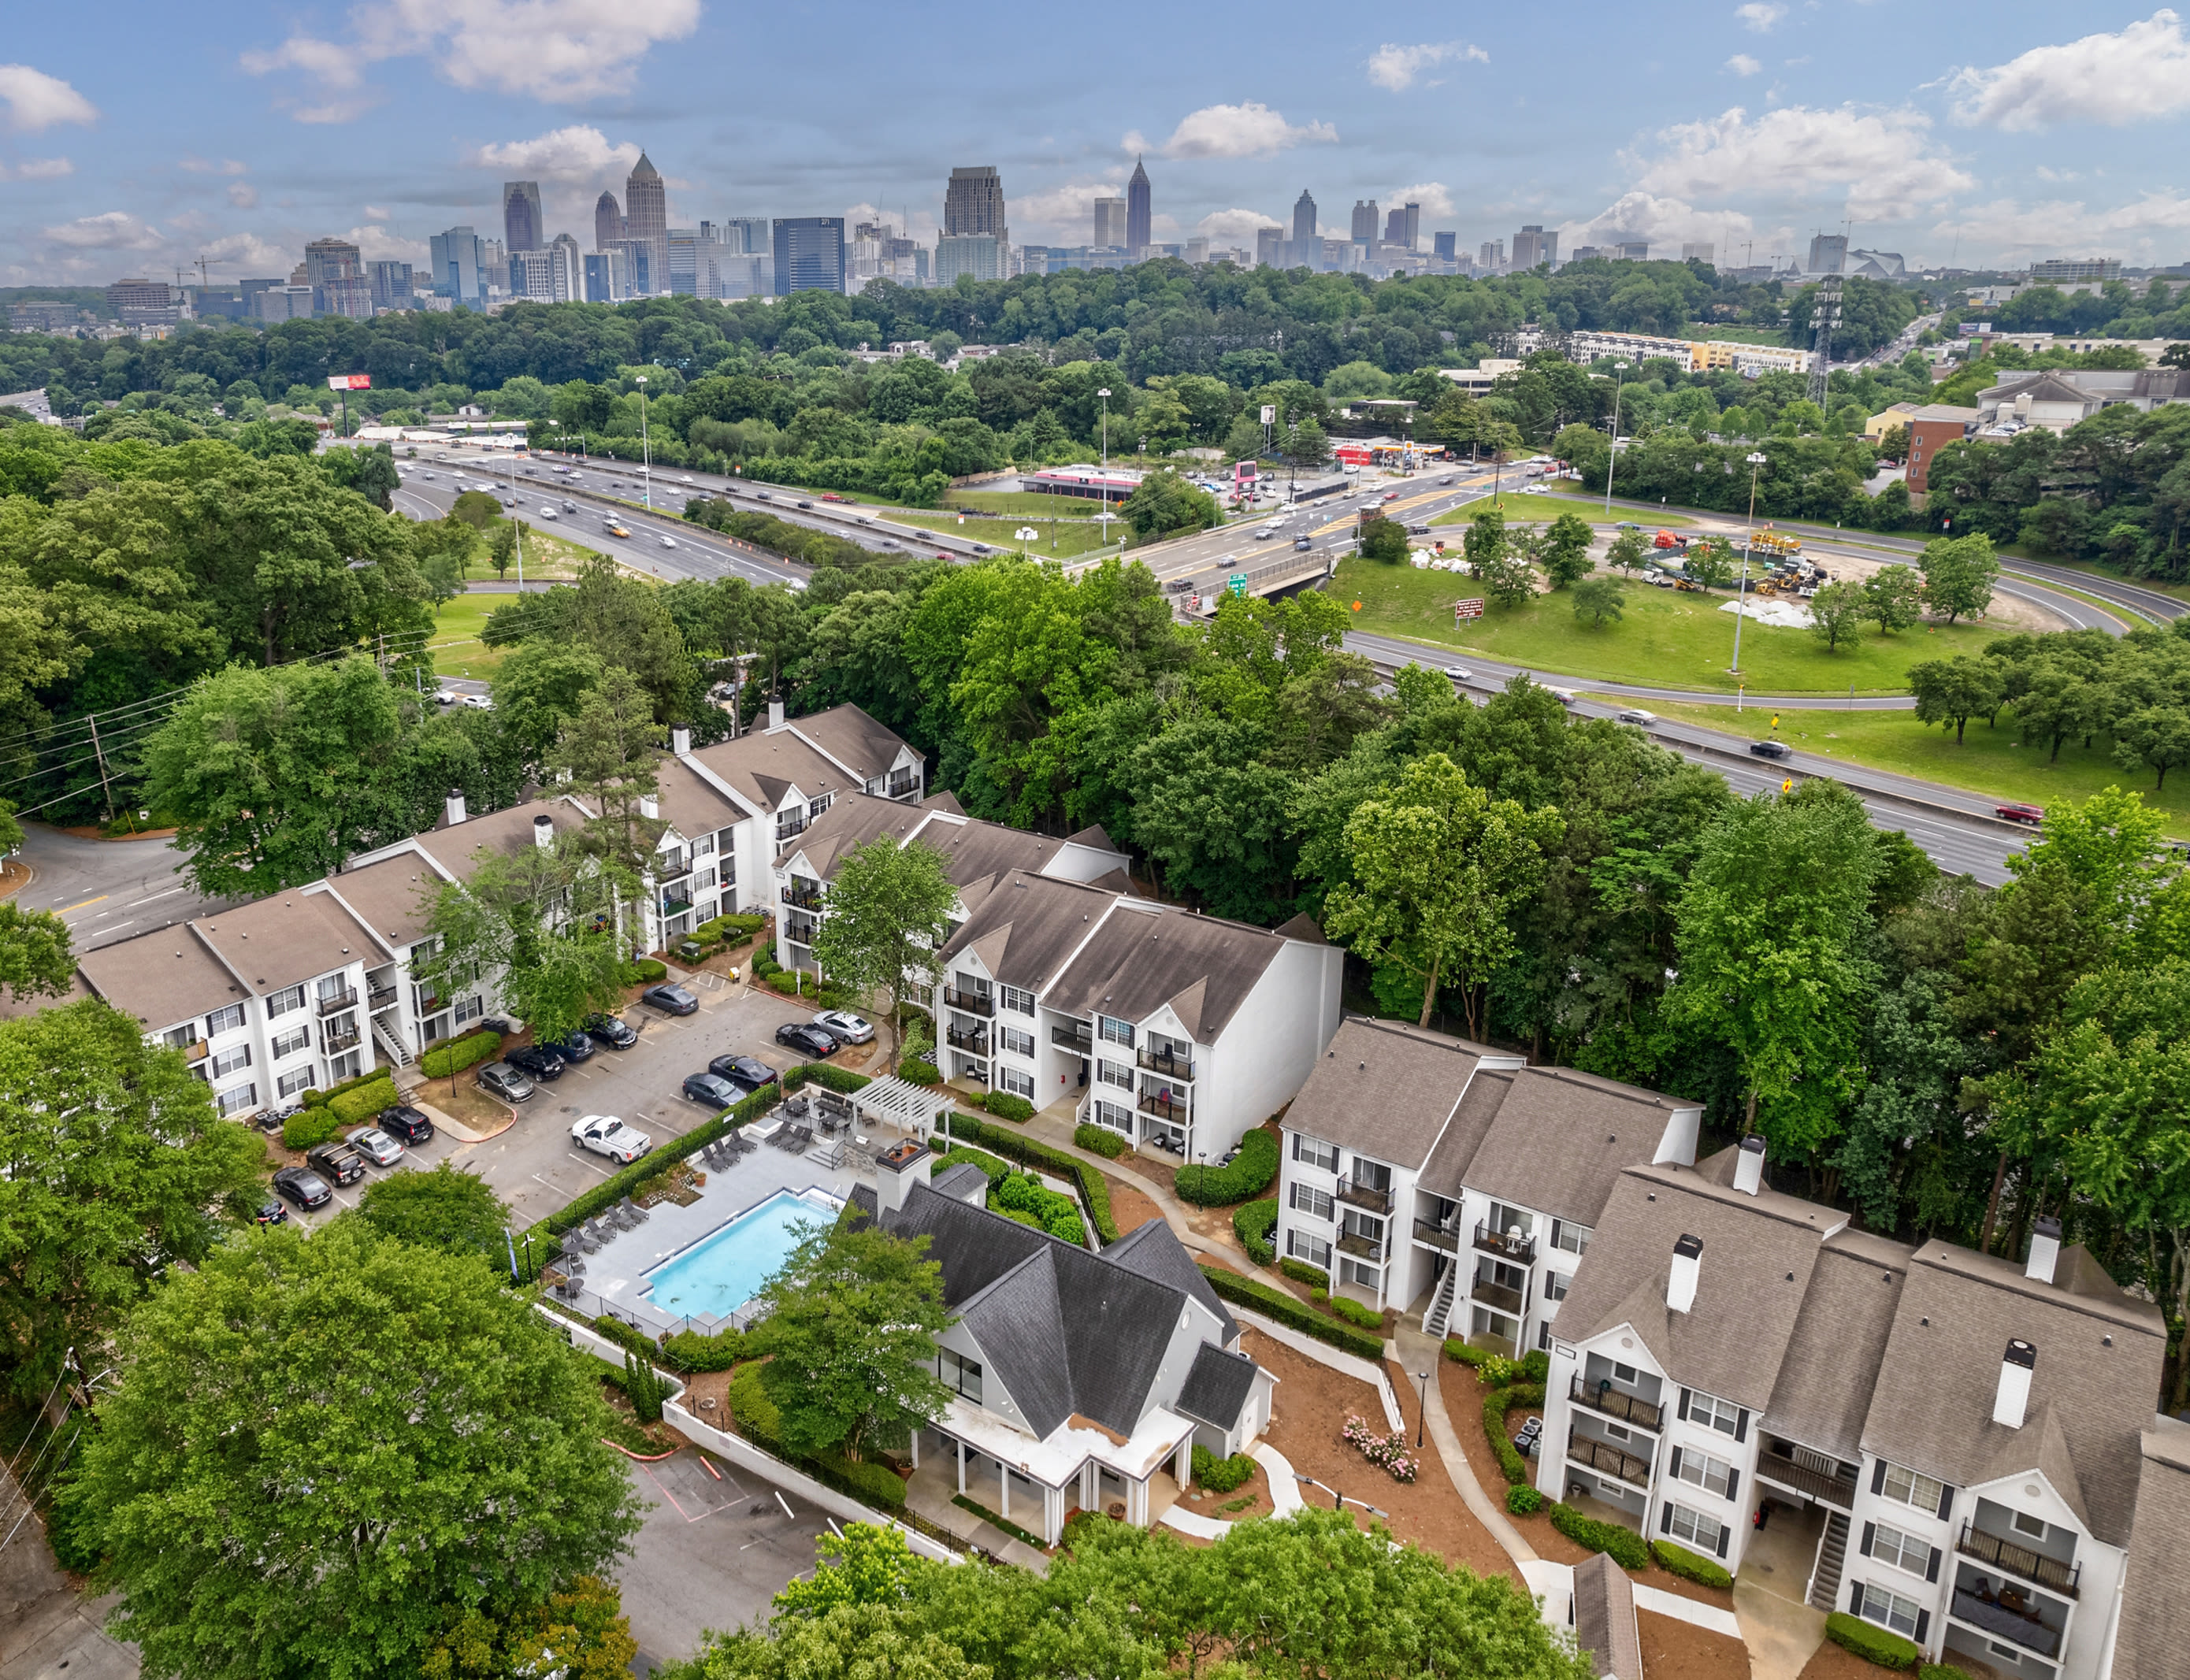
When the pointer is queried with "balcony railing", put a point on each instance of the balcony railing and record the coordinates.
(1163, 1107)
(1520, 1250)
(337, 1043)
(675, 906)
(334, 1001)
(195, 1053)
(1437, 1236)
(1364, 1195)
(1599, 1397)
(2021, 1560)
(799, 929)
(1360, 1248)
(1496, 1295)
(1066, 1038)
(899, 786)
(804, 897)
(1806, 1478)
(379, 998)
(970, 1002)
(1177, 1067)
(2025, 1627)
(789, 828)
(1603, 1456)
(976, 1040)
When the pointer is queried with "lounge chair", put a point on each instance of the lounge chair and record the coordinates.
(638, 1214)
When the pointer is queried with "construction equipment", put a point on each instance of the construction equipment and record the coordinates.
(1775, 542)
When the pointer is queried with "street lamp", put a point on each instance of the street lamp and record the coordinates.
(1105, 394)
(1025, 534)
(645, 449)
(1741, 597)
(1618, 371)
(1422, 1417)
(1338, 1501)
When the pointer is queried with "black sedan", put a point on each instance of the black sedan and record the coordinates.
(807, 1039)
(670, 1000)
(273, 1212)
(407, 1123)
(749, 1072)
(611, 1030)
(711, 1091)
(537, 1059)
(1771, 749)
(306, 1188)
(577, 1047)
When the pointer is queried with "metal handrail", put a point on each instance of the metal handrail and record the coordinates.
(2032, 1566)
(1644, 1414)
(1496, 1295)
(1437, 1236)
(1603, 1456)
(970, 1002)
(1361, 1247)
(1178, 1067)
(1364, 1195)
(805, 898)
(977, 1042)
(335, 1001)
(1490, 1241)
(1163, 1109)
(1806, 1478)
(1065, 1039)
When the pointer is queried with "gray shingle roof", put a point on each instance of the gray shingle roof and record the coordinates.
(1838, 1344)
(161, 978)
(1385, 1089)
(390, 897)
(1153, 1250)
(1561, 1138)
(1454, 1153)
(1604, 1619)
(2155, 1613)
(1218, 1384)
(849, 735)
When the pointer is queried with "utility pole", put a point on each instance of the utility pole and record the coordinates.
(100, 752)
(1825, 314)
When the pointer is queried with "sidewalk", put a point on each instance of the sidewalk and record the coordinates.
(1415, 1351)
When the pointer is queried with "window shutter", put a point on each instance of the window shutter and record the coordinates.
(1665, 1518)
(1741, 1425)
(1855, 1598)
(1869, 1534)
(1724, 1533)
(1684, 1405)
(1931, 1569)
(1923, 1625)
(1733, 1487)
(1946, 1502)
(1878, 1475)
(1676, 1470)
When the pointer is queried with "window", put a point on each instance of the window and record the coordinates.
(1623, 1373)
(1889, 1609)
(1016, 1081)
(1910, 1489)
(1305, 1200)
(1313, 1250)
(2032, 1526)
(2005, 1653)
(296, 1080)
(279, 1003)
(960, 1375)
(1700, 1469)
(704, 847)
(333, 985)
(245, 1096)
(225, 1020)
(1543, 1336)
(1693, 1528)
(1570, 1237)
(1723, 1416)
(703, 878)
(1116, 1118)
(289, 1043)
(1019, 1043)
(181, 1038)
(229, 1060)
(1902, 1551)
(344, 1067)
(1555, 1286)
(1504, 1219)
(1110, 1073)
(1314, 1152)
(470, 1009)
(1017, 1002)
(1115, 1031)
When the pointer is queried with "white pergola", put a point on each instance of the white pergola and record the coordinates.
(901, 1103)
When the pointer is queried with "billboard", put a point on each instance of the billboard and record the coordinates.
(349, 381)
(1466, 609)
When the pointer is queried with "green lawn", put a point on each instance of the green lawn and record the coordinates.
(1520, 509)
(1061, 507)
(1074, 536)
(1993, 761)
(1668, 638)
(457, 650)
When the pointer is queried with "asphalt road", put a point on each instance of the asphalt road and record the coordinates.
(108, 890)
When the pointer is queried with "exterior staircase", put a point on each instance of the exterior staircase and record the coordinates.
(1832, 1549)
(1440, 1313)
(391, 1044)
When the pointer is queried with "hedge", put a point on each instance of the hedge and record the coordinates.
(308, 1126)
(1690, 1565)
(1941, 1670)
(1221, 1475)
(877, 1484)
(760, 1420)
(1495, 1405)
(1099, 1140)
(1094, 1191)
(727, 929)
(1301, 1272)
(1275, 1303)
(919, 1072)
(646, 972)
(1625, 1545)
(757, 1415)
(1354, 1313)
(1005, 1105)
(959, 1156)
(354, 1107)
(1524, 1501)
(459, 1054)
(1881, 1645)
(1247, 1176)
(629, 1336)
(690, 1352)
(1252, 1224)
(1021, 1193)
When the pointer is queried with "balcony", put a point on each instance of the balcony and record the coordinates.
(1177, 1067)
(195, 1053)
(1366, 1196)
(1806, 1478)
(980, 1003)
(789, 828)
(799, 929)
(975, 1040)
(1496, 1295)
(2009, 1615)
(337, 1043)
(1164, 1108)
(1081, 1039)
(1520, 1250)
(1600, 1397)
(1603, 1456)
(900, 785)
(804, 895)
(674, 907)
(2020, 1560)
(1437, 1236)
(379, 998)
(334, 1001)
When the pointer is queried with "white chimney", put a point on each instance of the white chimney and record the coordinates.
(2013, 1399)
(775, 715)
(1749, 1166)
(680, 741)
(2045, 1249)
(1687, 1270)
(649, 808)
(454, 806)
(543, 833)
(897, 1169)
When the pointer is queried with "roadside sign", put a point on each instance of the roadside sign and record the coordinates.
(1466, 609)
(1237, 583)
(1269, 414)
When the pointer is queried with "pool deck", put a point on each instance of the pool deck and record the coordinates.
(616, 1275)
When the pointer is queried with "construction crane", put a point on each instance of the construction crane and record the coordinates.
(204, 263)
(1824, 316)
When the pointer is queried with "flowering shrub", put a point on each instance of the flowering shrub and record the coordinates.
(1388, 1450)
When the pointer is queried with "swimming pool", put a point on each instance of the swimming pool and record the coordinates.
(725, 1268)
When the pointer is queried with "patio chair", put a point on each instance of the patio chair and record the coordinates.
(624, 1222)
(638, 1214)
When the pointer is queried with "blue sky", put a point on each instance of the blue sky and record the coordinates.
(134, 141)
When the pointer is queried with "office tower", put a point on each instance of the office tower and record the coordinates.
(566, 270)
(139, 295)
(1631, 250)
(608, 276)
(608, 221)
(646, 219)
(1492, 257)
(980, 256)
(494, 267)
(1410, 227)
(1109, 221)
(1304, 219)
(974, 202)
(458, 260)
(1364, 221)
(646, 271)
(1270, 246)
(1445, 246)
(810, 254)
(746, 236)
(1139, 213)
(522, 228)
(1828, 253)
(391, 285)
(684, 261)
(1699, 253)
(1197, 252)
(1533, 247)
(530, 276)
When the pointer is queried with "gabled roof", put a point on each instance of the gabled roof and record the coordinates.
(972, 849)
(1153, 1250)
(2155, 1603)
(765, 766)
(390, 897)
(1447, 1167)
(161, 978)
(1218, 1384)
(1833, 1358)
(1385, 1089)
(847, 736)
(456, 847)
(1604, 1619)
(1141, 956)
(1561, 1138)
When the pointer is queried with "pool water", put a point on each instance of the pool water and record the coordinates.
(724, 1269)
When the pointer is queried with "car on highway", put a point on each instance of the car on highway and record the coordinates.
(1771, 749)
(1534, 489)
(605, 1134)
(1447, 481)
(1636, 714)
(615, 529)
(569, 507)
(404, 1122)
(499, 1079)
(668, 542)
(761, 494)
(536, 1060)
(832, 496)
(612, 1030)
(547, 513)
(1459, 673)
(710, 1091)
(748, 1071)
(374, 1146)
(687, 478)
(671, 1000)
(2031, 815)
(810, 1041)
(1565, 696)
(303, 1187)
(852, 1029)
(478, 702)
(1302, 543)
(1391, 496)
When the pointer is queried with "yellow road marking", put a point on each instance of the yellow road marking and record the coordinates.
(101, 898)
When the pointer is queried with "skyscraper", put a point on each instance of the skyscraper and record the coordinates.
(607, 277)
(1410, 227)
(1492, 257)
(810, 254)
(1364, 221)
(1445, 246)
(1533, 247)
(1699, 253)
(980, 256)
(1138, 213)
(608, 221)
(391, 285)
(522, 227)
(1303, 220)
(1109, 221)
(457, 258)
(974, 202)
(1270, 246)
(646, 221)
(566, 270)
(747, 235)
(1828, 253)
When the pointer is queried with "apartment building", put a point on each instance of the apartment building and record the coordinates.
(1946, 1444)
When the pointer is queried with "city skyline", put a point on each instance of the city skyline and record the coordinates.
(2059, 137)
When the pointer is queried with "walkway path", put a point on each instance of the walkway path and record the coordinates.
(1284, 1498)
(1414, 1351)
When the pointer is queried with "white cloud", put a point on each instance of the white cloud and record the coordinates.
(374, 242)
(1434, 196)
(36, 101)
(2155, 223)
(2046, 174)
(374, 212)
(1664, 222)
(1878, 166)
(1067, 212)
(1742, 65)
(243, 195)
(578, 155)
(1233, 227)
(563, 51)
(115, 230)
(200, 166)
(1249, 130)
(37, 169)
(2140, 73)
(1396, 67)
(1761, 15)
